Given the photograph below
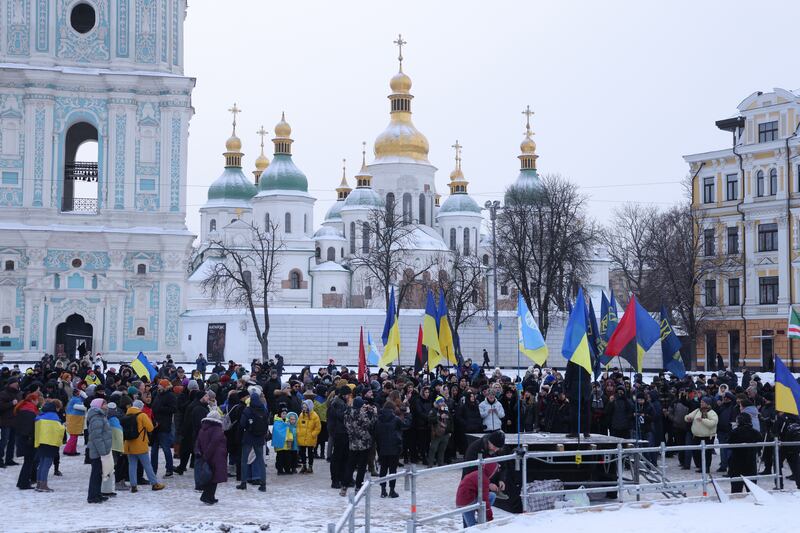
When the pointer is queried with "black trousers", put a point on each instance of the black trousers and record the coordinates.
(187, 450)
(95, 479)
(339, 470)
(27, 451)
(698, 454)
(357, 463)
(209, 491)
(423, 440)
(307, 453)
(388, 466)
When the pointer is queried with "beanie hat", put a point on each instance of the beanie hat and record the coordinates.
(358, 402)
(133, 391)
(744, 420)
(97, 402)
(439, 401)
(497, 438)
(344, 390)
(214, 415)
(211, 395)
(112, 406)
(138, 404)
(193, 385)
(309, 405)
(164, 383)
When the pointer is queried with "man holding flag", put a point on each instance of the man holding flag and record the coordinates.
(577, 379)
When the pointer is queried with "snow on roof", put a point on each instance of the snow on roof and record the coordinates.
(328, 266)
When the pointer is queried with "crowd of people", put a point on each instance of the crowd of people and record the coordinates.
(219, 421)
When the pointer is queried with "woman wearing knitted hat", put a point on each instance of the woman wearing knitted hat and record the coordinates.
(211, 450)
(704, 426)
(308, 429)
(99, 444)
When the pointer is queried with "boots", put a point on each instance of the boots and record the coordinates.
(310, 470)
(384, 494)
(393, 494)
(304, 470)
(242, 486)
(57, 473)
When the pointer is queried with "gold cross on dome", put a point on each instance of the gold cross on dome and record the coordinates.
(363, 153)
(344, 167)
(400, 42)
(262, 132)
(234, 111)
(457, 148)
(528, 113)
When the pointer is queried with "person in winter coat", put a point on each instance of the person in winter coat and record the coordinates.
(359, 419)
(48, 436)
(676, 414)
(196, 411)
(164, 405)
(115, 480)
(492, 412)
(254, 423)
(76, 413)
(98, 443)
(743, 461)
(211, 449)
(321, 408)
(704, 426)
(137, 449)
(309, 427)
(233, 436)
(284, 440)
(389, 439)
(509, 403)
(9, 397)
(619, 414)
(725, 418)
(467, 492)
(337, 429)
(421, 405)
(469, 419)
(441, 424)
(25, 413)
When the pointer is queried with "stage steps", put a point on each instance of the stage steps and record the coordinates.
(650, 472)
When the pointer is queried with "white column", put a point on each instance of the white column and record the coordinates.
(751, 279)
(783, 262)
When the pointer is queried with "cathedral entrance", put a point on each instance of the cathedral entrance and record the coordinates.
(74, 334)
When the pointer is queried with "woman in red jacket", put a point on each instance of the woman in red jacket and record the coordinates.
(467, 493)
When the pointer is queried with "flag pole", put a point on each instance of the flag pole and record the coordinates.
(519, 401)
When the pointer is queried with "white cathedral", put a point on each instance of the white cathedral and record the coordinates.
(94, 249)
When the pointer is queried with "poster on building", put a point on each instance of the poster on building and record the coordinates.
(215, 343)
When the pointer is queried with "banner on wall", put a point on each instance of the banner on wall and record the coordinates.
(215, 342)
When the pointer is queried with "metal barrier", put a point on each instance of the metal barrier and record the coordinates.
(521, 457)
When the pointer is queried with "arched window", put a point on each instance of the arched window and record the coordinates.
(422, 202)
(212, 226)
(342, 251)
(352, 237)
(305, 223)
(485, 259)
(9, 266)
(331, 253)
(141, 269)
(287, 224)
(474, 296)
(6, 330)
(56, 281)
(407, 208)
(318, 253)
(294, 279)
(453, 239)
(94, 281)
(390, 203)
(773, 182)
(368, 293)
(247, 278)
(267, 226)
(365, 238)
(79, 193)
(466, 241)
(760, 183)
(140, 332)
(333, 289)
(504, 290)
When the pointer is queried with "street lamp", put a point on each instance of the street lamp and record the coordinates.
(493, 206)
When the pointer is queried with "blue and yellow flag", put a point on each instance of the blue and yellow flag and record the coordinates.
(787, 390)
(446, 332)
(143, 368)
(391, 334)
(531, 341)
(576, 343)
(48, 429)
(430, 333)
(671, 347)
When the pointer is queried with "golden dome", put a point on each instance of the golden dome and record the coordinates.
(233, 144)
(527, 146)
(262, 162)
(402, 140)
(400, 83)
(282, 128)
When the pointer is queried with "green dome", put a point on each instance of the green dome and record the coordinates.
(335, 212)
(283, 174)
(363, 198)
(232, 185)
(528, 180)
(459, 202)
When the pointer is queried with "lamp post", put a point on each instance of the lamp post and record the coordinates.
(493, 206)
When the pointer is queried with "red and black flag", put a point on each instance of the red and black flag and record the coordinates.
(421, 361)
(636, 332)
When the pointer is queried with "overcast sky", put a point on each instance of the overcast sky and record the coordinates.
(621, 90)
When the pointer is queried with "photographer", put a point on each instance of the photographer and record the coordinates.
(619, 414)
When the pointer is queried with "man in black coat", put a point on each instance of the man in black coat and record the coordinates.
(341, 444)
(578, 384)
(164, 406)
(9, 397)
(619, 413)
(194, 414)
(389, 442)
(743, 461)
(488, 445)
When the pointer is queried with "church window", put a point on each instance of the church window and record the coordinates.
(267, 226)
(82, 18)
(6, 330)
(485, 259)
(76, 263)
(287, 224)
(422, 203)
(305, 223)
(368, 293)
(390, 205)
(453, 239)
(466, 241)
(247, 279)
(9, 266)
(141, 269)
(504, 290)
(294, 279)
(474, 296)
(79, 191)
(212, 226)
(333, 289)
(318, 253)
(407, 208)
(331, 253)
(365, 238)
(140, 332)
(352, 237)
(94, 281)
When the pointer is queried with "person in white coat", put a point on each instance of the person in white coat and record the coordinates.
(492, 412)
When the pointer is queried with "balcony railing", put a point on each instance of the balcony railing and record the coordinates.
(81, 171)
(80, 205)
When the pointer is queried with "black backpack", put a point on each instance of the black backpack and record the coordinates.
(259, 425)
(130, 426)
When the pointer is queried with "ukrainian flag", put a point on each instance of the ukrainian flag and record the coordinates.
(143, 368)
(48, 429)
(445, 333)
(576, 342)
(531, 341)
(430, 333)
(787, 390)
(391, 334)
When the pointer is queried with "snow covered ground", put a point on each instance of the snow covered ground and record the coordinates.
(665, 517)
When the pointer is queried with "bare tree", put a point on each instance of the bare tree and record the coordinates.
(463, 286)
(244, 275)
(546, 242)
(388, 253)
